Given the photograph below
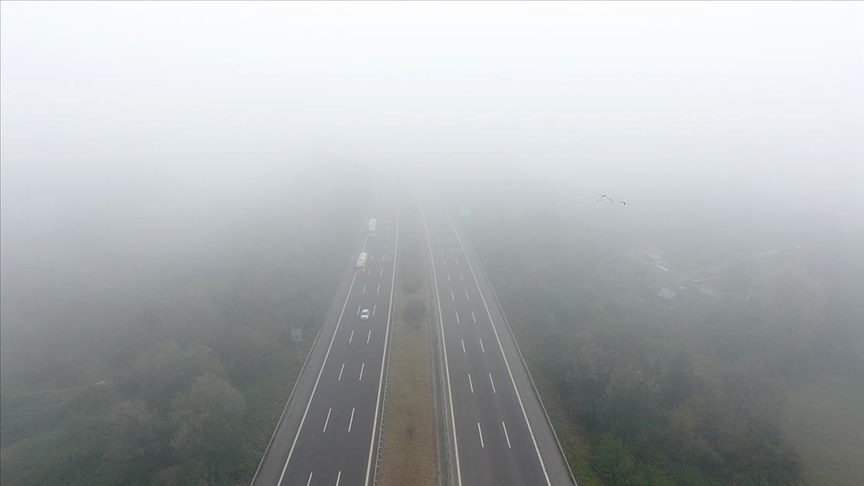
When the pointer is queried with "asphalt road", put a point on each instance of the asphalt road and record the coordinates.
(329, 430)
(498, 432)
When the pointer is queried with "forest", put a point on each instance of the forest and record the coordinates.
(167, 367)
(665, 352)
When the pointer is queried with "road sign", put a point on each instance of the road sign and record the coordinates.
(297, 335)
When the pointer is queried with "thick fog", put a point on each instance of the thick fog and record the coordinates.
(144, 142)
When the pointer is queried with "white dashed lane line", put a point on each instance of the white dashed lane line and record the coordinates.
(506, 435)
(327, 421)
(480, 432)
(493, 383)
(340, 372)
(470, 383)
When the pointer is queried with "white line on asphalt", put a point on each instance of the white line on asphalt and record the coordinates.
(309, 481)
(442, 250)
(379, 289)
(383, 356)
(381, 272)
(506, 362)
(452, 296)
(358, 308)
(368, 336)
(480, 432)
(466, 296)
(444, 350)
(385, 246)
(351, 422)
(351, 338)
(456, 260)
(493, 383)
(445, 262)
(473, 317)
(340, 372)
(363, 366)
(506, 435)
(481, 345)
(338, 477)
(470, 383)
(327, 421)
(457, 318)
(374, 306)
(461, 278)
(364, 288)
(463, 346)
(448, 277)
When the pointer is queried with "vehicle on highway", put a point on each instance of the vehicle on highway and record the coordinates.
(364, 315)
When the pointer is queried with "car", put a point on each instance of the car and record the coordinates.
(364, 315)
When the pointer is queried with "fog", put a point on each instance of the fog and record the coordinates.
(144, 142)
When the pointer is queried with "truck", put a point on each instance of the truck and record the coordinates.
(373, 223)
(361, 263)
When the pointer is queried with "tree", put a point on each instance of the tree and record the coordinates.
(208, 420)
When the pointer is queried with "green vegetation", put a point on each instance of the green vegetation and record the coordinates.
(176, 373)
(684, 390)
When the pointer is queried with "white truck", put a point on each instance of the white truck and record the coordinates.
(373, 224)
(361, 263)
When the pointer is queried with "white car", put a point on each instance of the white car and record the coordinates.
(364, 315)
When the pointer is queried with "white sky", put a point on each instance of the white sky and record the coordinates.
(728, 99)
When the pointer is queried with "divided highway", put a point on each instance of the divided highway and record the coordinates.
(497, 429)
(329, 430)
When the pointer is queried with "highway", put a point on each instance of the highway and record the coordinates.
(498, 432)
(329, 430)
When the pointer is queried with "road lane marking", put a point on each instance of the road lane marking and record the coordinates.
(506, 361)
(506, 435)
(480, 432)
(363, 366)
(448, 277)
(385, 246)
(442, 250)
(463, 346)
(457, 318)
(452, 296)
(470, 383)
(314, 388)
(466, 296)
(481, 345)
(379, 289)
(364, 288)
(473, 317)
(351, 422)
(384, 355)
(352, 337)
(327, 421)
(368, 336)
(445, 262)
(374, 306)
(340, 372)
(444, 351)
(358, 308)
(461, 278)
(338, 477)
(493, 383)
(309, 481)
(381, 272)
(456, 260)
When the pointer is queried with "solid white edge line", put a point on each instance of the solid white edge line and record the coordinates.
(318, 379)
(444, 348)
(384, 354)
(501, 348)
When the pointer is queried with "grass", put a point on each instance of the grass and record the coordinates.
(408, 441)
(825, 423)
